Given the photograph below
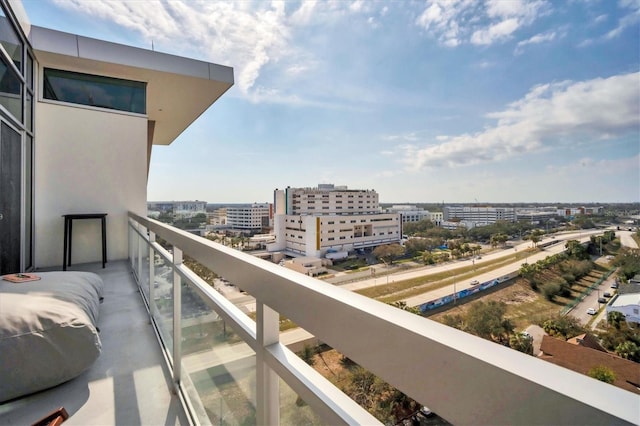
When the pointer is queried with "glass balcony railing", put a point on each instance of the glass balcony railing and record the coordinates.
(230, 369)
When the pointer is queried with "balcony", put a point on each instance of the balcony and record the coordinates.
(217, 366)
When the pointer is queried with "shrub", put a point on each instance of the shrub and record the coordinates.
(551, 290)
(602, 373)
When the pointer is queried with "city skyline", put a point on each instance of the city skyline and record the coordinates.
(425, 102)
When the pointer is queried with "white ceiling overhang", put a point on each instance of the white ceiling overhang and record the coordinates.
(179, 89)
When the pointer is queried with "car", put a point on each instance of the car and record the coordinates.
(526, 334)
(592, 311)
(614, 285)
(607, 294)
(474, 282)
(426, 411)
(602, 300)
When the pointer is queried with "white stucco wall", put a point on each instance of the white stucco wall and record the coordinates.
(86, 161)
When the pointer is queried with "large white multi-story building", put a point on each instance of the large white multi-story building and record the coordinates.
(485, 214)
(410, 213)
(317, 221)
(251, 218)
(326, 199)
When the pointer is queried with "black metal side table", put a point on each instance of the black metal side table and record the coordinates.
(68, 231)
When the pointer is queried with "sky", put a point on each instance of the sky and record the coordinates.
(433, 101)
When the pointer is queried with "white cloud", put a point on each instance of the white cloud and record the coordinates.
(495, 32)
(459, 21)
(549, 114)
(626, 21)
(536, 39)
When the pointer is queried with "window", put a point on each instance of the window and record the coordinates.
(11, 42)
(11, 90)
(94, 90)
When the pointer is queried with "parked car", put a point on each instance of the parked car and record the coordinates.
(602, 300)
(607, 294)
(614, 285)
(475, 282)
(526, 334)
(426, 411)
(592, 311)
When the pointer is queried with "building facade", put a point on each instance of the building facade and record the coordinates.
(326, 199)
(66, 123)
(326, 219)
(575, 211)
(415, 214)
(627, 304)
(485, 214)
(249, 218)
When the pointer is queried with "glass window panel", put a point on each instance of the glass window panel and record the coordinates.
(293, 410)
(10, 41)
(29, 71)
(94, 90)
(220, 366)
(10, 90)
(161, 295)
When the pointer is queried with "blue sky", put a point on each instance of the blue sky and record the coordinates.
(423, 101)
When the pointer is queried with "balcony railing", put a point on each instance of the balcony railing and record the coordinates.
(228, 368)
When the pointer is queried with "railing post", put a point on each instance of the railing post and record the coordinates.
(152, 271)
(268, 386)
(140, 251)
(177, 317)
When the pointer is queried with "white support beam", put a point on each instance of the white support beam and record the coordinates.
(268, 387)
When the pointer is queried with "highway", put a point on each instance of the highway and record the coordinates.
(559, 240)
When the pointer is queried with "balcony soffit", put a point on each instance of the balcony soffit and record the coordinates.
(179, 89)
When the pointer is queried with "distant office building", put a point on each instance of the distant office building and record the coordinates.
(217, 217)
(179, 209)
(453, 225)
(410, 213)
(536, 215)
(249, 218)
(575, 211)
(330, 219)
(485, 214)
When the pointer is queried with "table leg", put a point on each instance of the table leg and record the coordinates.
(70, 240)
(104, 241)
(66, 234)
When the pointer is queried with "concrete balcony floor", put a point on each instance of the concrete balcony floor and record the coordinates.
(129, 384)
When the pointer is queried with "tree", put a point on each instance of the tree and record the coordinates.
(415, 245)
(528, 270)
(602, 373)
(628, 350)
(388, 252)
(487, 320)
(498, 239)
(521, 342)
(307, 354)
(628, 260)
(615, 319)
(576, 250)
(566, 326)
(535, 237)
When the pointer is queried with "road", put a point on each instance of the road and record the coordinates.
(591, 301)
(505, 270)
(626, 240)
